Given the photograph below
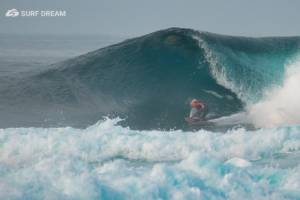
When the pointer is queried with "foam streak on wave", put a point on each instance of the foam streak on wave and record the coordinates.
(218, 71)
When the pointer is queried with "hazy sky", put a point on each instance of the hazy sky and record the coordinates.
(138, 17)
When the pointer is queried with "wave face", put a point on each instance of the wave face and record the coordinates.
(149, 80)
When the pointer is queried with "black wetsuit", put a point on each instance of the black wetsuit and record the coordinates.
(204, 111)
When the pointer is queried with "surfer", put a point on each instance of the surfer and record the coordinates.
(201, 108)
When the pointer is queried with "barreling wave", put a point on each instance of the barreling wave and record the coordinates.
(149, 80)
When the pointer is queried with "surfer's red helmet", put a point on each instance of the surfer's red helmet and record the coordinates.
(193, 102)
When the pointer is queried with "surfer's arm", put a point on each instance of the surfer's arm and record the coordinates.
(198, 105)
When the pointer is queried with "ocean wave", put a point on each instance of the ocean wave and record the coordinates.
(150, 80)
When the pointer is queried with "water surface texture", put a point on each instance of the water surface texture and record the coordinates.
(98, 117)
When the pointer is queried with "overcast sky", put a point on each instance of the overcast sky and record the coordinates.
(256, 18)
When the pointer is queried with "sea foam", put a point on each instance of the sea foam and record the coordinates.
(98, 163)
(105, 141)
